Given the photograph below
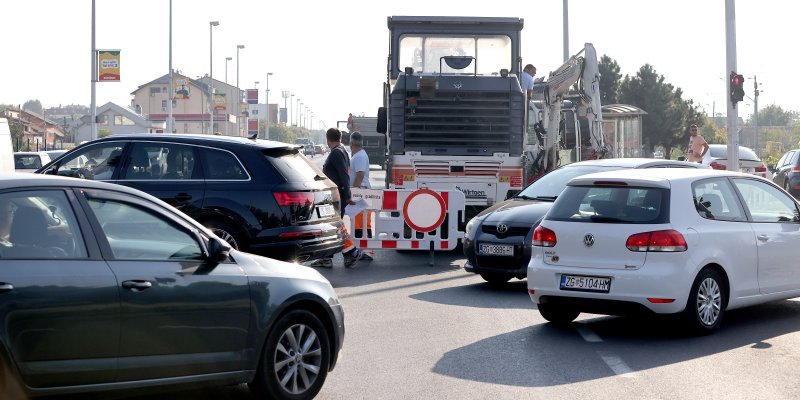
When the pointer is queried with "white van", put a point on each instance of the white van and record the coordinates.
(6, 151)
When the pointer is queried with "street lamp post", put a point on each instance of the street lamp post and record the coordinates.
(171, 89)
(211, 26)
(238, 94)
(248, 128)
(290, 122)
(269, 112)
(226, 67)
(299, 111)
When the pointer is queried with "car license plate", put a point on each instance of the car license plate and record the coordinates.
(325, 210)
(486, 249)
(585, 283)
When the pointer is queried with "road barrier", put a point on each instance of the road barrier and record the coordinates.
(418, 219)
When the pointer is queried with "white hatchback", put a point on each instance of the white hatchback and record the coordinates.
(666, 241)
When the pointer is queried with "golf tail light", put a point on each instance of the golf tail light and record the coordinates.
(544, 237)
(657, 241)
(717, 165)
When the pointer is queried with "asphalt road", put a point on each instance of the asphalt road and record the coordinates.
(435, 332)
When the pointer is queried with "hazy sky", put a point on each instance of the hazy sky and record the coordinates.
(332, 54)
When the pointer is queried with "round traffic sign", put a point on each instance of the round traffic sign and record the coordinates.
(424, 210)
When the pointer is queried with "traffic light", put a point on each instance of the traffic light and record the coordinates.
(736, 88)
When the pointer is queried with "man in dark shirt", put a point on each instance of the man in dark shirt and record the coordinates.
(337, 169)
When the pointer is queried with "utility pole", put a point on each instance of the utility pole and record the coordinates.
(566, 30)
(733, 114)
(755, 115)
(171, 88)
(94, 77)
(211, 26)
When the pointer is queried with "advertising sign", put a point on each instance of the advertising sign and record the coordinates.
(252, 127)
(108, 65)
(220, 102)
(181, 87)
(252, 96)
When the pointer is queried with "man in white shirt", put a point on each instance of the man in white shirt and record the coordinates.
(359, 178)
(526, 79)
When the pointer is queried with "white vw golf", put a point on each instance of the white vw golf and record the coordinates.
(666, 241)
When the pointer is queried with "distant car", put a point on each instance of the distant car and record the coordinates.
(717, 158)
(56, 153)
(30, 161)
(117, 282)
(319, 150)
(261, 196)
(787, 172)
(497, 242)
(673, 241)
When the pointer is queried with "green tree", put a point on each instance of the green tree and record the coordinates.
(33, 105)
(609, 80)
(773, 115)
(668, 115)
(104, 132)
(277, 132)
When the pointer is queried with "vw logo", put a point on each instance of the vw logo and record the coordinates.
(502, 228)
(458, 85)
(588, 240)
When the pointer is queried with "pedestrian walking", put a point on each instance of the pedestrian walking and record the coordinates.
(337, 169)
(359, 178)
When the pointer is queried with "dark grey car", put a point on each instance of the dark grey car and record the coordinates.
(497, 241)
(105, 287)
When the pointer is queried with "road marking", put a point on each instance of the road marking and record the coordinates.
(617, 365)
(588, 335)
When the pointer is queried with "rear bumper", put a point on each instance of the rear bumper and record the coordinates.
(515, 266)
(301, 249)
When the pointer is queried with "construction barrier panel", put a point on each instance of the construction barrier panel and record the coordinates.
(407, 219)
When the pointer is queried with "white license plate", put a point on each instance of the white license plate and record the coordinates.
(325, 210)
(486, 249)
(585, 283)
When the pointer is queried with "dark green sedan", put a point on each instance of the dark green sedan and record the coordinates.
(103, 287)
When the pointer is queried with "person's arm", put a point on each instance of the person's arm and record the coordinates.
(705, 148)
(359, 178)
(359, 166)
(342, 180)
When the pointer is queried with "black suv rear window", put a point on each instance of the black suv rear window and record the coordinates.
(611, 204)
(294, 166)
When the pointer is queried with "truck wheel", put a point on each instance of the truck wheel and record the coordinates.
(295, 361)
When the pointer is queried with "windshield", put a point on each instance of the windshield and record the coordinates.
(552, 184)
(424, 52)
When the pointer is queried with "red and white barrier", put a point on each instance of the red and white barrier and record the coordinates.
(414, 219)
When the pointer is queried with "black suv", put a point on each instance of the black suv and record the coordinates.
(787, 172)
(261, 196)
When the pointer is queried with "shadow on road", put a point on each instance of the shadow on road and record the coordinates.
(481, 295)
(547, 355)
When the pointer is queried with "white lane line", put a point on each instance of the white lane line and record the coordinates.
(617, 365)
(588, 335)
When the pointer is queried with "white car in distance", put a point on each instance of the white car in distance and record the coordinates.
(666, 241)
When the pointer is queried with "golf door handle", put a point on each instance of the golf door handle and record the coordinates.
(183, 197)
(6, 287)
(762, 238)
(136, 286)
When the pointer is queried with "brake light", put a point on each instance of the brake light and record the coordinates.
(294, 198)
(300, 234)
(544, 237)
(796, 168)
(610, 183)
(762, 168)
(657, 241)
(717, 165)
(656, 300)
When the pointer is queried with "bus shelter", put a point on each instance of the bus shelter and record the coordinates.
(622, 126)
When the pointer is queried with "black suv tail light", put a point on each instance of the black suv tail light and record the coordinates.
(294, 198)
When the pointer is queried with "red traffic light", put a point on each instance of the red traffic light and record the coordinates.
(736, 88)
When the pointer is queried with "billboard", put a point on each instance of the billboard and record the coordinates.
(252, 127)
(181, 87)
(108, 65)
(220, 102)
(252, 96)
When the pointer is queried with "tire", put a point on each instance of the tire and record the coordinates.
(558, 314)
(706, 304)
(496, 279)
(227, 233)
(283, 353)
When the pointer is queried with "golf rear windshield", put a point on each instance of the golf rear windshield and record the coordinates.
(612, 204)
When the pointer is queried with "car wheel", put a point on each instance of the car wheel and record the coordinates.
(295, 361)
(496, 279)
(558, 314)
(706, 304)
(227, 233)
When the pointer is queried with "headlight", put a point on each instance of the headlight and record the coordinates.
(471, 226)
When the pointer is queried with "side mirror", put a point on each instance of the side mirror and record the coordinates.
(681, 158)
(381, 128)
(217, 250)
